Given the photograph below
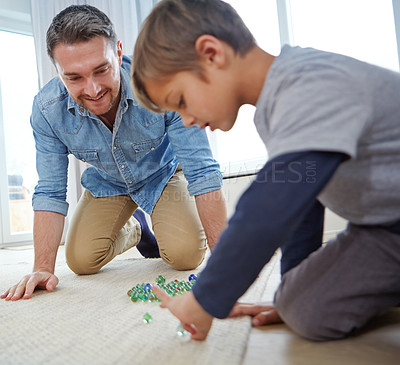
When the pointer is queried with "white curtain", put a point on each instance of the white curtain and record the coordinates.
(126, 15)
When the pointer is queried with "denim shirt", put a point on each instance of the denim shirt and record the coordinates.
(137, 158)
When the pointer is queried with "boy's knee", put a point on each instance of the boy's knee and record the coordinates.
(313, 318)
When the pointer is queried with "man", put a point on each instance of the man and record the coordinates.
(138, 158)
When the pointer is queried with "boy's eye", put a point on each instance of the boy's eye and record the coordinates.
(181, 102)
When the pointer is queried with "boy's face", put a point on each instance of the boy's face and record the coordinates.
(90, 72)
(211, 103)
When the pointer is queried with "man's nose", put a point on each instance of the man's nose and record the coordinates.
(92, 88)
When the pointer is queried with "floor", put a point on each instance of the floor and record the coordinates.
(277, 344)
(379, 344)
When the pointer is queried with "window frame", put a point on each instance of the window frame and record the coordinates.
(19, 23)
(7, 237)
(396, 15)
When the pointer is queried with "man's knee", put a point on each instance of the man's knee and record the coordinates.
(81, 261)
(183, 258)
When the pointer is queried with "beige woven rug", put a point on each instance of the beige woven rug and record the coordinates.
(91, 320)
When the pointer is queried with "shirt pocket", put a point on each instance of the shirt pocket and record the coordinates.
(67, 124)
(144, 147)
(90, 157)
(147, 118)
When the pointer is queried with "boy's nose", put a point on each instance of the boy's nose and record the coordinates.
(188, 120)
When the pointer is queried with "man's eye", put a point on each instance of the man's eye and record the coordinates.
(102, 70)
(181, 103)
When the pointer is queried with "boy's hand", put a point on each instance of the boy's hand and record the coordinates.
(192, 316)
(262, 313)
(25, 287)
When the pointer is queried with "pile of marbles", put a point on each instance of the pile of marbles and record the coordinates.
(144, 293)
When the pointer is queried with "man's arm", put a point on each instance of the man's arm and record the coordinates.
(47, 231)
(49, 204)
(212, 212)
(202, 172)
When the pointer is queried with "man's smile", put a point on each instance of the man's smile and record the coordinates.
(97, 98)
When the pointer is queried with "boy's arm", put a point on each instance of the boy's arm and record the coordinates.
(305, 239)
(266, 216)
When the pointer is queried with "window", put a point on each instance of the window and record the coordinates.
(357, 28)
(18, 85)
(242, 151)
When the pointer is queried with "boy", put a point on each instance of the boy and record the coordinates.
(331, 127)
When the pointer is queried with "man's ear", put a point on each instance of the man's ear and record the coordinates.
(210, 50)
(119, 52)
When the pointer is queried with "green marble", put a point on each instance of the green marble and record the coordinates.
(160, 279)
(147, 318)
(180, 331)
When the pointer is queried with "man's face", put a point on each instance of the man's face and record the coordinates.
(211, 103)
(91, 73)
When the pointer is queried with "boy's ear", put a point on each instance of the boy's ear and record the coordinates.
(210, 50)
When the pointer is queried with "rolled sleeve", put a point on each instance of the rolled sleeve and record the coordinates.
(194, 155)
(206, 184)
(49, 204)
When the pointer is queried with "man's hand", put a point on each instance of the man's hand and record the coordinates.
(192, 316)
(24, 289)
(262, 313)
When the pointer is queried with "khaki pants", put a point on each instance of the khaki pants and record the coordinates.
(102, 228)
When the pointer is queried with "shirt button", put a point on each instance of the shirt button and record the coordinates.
(152, 149)
(130, 182)
(83, 159)
(81, 110)
(115, 148)
(122, 166)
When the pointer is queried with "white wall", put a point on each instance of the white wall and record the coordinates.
(233, 188)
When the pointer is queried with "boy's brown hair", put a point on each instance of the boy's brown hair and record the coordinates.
(166, 42)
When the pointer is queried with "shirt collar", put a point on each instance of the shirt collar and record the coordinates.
(126, 89)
